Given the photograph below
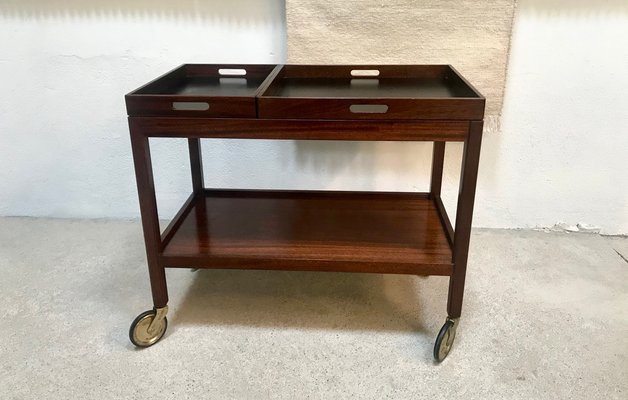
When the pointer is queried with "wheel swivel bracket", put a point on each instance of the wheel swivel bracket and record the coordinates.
(160, 314)
(451, 337)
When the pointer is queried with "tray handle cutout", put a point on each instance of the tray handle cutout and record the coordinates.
(232, 71)
(190, 106)
(364, 72)
(368, 108)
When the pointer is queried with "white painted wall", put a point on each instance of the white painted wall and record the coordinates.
(562, 155)
(64, 145)
(64, 148)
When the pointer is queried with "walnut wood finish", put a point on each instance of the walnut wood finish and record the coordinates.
(358, 232)
(438, 159)
(310, 92)
(150, 219)
(308, 230)
(196, 165)
(464, 216)
(226, 95)
(175, 223)
(407, 91)
(444, 218)
(301, 129)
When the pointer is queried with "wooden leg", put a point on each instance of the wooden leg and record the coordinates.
(150, 218)
(196, 165)
(198, 182)
(464, 216)
(438, 159)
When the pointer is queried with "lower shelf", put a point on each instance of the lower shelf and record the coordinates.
(310, 230)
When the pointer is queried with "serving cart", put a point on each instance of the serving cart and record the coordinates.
(374, 232)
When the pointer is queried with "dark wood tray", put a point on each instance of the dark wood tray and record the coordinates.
(201, 90)
(370, 92)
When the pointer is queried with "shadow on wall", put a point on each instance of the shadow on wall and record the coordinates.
(246, 11)
(229, 10)
(585, 7)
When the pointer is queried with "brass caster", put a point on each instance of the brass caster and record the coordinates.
(445, 339)
(149, 327)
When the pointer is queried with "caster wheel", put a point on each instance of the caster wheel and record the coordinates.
(445, 339)
(139, 332)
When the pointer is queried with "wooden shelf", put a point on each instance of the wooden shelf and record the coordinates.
(309, 230)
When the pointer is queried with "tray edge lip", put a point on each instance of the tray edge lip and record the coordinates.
(183, 66)
(466, 81)
(134, 92)
(451, 68)
(277, 68)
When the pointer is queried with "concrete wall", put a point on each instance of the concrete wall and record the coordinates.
(64, 148)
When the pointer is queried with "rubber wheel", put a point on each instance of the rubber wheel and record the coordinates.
(138, 333)
(444, 341)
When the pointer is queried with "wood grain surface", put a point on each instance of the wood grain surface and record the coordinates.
(311, 230)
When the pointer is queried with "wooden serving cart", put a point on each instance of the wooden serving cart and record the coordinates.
(376, 232)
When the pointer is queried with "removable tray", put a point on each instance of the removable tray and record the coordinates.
(201, 90)
(370, 92)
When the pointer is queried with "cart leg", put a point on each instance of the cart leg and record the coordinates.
(198, 182)
(196, 165)
(438, 159)
(464, 215)
(150, 219)
(151, 325)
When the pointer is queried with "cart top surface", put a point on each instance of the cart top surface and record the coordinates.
(214, 86)
(309, 92)
(368, 88)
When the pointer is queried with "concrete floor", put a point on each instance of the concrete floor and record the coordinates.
(545, 316)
